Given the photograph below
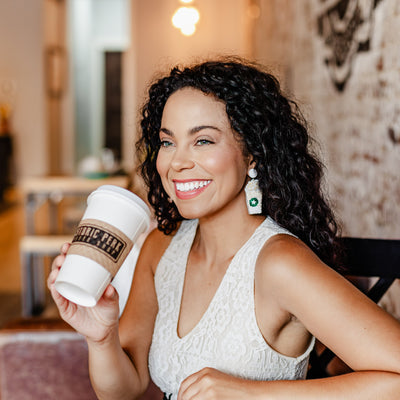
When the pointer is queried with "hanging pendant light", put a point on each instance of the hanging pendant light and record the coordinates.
(185, 19)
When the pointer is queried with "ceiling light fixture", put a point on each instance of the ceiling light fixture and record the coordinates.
(185, 19)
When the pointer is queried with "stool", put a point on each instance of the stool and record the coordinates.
(33, 249)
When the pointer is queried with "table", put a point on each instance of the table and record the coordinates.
(36, 191)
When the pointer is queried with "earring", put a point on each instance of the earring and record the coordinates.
(253, 194)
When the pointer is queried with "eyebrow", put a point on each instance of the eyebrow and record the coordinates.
(192, 131)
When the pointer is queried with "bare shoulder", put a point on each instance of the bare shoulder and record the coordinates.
(299, 283)
(288, 269)
(154, 247)
(284, 255)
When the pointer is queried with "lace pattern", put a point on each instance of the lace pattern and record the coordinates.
(227, 336)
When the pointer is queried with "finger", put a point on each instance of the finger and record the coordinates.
(110, 293)
(65, 307)
(57, 297)
(58, 261)
(110, 297)
(65, 247)
(188, 386)
(52, 277)
(50, 284)
(189, 393)
(59, 300)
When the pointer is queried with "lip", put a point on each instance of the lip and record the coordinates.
(190, 188)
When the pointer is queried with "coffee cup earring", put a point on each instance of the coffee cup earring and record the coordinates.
(253, 194)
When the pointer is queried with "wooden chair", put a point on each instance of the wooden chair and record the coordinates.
(365, 258)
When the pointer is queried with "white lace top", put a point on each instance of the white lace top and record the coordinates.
(227, 337)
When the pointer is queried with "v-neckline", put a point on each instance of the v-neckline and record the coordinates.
(215, 295)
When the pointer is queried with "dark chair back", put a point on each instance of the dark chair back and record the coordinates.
(365, 258)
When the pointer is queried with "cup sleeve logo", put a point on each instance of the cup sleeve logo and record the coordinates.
(102, 243)
(105, 241)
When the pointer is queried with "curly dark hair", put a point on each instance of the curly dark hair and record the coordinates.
(273, 132)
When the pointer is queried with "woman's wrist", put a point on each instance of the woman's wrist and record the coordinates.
(111, 338)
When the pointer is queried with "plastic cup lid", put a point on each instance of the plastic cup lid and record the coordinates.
(125, 194)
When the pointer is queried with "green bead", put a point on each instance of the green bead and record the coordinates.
(253, 202)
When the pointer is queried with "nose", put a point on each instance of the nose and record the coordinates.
(182, 159)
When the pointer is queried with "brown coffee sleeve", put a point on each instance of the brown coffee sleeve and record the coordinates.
(102, 243)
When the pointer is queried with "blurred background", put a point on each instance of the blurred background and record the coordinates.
(73, 76)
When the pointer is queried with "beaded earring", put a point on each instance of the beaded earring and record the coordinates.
(253, 194)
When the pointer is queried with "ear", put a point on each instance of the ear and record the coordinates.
(251, 163)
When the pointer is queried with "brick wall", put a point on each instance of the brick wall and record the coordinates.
(356, 116)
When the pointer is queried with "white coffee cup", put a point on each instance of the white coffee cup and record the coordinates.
(112, 222)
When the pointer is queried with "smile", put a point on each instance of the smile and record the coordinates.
(190, 189)
(190, 186)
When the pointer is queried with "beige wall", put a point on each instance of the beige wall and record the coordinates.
(21, 66)
(157, 46)
(28, 26)
(160, 45)
(358, 128)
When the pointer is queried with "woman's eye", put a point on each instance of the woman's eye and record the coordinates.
(165, 143)
(202, 142)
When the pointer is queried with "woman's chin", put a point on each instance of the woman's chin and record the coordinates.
(191, 212)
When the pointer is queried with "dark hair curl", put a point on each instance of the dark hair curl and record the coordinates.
(273, 132)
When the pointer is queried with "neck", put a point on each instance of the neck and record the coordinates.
(220, 236)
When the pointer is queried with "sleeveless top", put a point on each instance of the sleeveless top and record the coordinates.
(227, 336)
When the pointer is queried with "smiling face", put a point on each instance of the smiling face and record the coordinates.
(200, 162)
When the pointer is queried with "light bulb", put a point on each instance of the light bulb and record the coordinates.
(185, 19)
(188, 30)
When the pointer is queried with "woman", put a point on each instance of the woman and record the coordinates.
(231, 290)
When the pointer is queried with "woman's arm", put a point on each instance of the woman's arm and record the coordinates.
(125, 350)
(210, 384)
(363, 335)
(118, 349)
(358, 331)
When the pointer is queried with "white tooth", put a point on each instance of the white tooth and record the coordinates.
(187, 186)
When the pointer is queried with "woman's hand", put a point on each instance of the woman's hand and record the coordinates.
(211, 384)
(95, 323)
